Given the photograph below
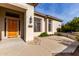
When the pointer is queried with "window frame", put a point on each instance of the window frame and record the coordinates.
(37, 28)
(50, 25)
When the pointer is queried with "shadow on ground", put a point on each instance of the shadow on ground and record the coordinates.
(66, 52)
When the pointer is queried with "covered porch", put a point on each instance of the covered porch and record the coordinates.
(14, 21)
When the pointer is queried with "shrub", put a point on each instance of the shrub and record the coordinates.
(72, 26)
(66, 28)
(58, 29)
(43, 34)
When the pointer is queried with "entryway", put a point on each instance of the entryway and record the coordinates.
(12, 25)
(12, 28)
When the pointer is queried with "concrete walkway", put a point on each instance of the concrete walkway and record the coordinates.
(59, 44)
(52, 45)
(18, 47)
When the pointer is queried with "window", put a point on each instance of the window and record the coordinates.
(50, 25)
(37, 24)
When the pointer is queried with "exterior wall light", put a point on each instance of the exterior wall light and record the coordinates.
(30, 21)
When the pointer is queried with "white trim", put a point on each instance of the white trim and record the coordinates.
(42, 19)
(42, 26)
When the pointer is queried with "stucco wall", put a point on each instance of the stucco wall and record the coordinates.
(28, 12)
(42, 26)
(28, 31)
(56, 24)
(48, 27)
(2, 13)
(12, 6)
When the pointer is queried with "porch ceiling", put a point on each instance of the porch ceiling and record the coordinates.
(9, 6)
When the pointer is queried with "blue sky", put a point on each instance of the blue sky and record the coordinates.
(63, 11)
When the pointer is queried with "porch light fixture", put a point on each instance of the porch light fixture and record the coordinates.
(30, 20)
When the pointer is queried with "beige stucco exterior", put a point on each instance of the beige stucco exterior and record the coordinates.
(44, 28)
(26, 12)
(51, 32)
(56, 24)
(29, 12)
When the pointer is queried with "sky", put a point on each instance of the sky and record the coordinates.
(63, 11)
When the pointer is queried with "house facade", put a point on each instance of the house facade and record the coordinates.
(18, 20)
(45, 23)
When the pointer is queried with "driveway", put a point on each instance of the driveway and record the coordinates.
(52, 45)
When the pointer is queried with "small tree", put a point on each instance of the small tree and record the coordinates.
(72, 26)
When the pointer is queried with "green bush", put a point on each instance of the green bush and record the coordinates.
(72, 26)
(43, 34)
(58, 29)
(66, 28)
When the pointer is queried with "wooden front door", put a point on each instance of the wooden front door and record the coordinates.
(12, 28)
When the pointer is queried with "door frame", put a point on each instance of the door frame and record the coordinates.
(6, 32)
